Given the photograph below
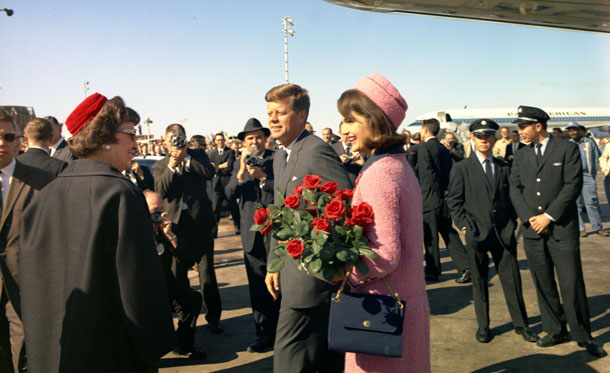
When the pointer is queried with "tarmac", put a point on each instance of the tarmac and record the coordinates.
(452, 318)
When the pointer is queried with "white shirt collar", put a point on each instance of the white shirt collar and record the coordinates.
(482, 159)
(291, 145)
(430, 138)
(9, 169)
(544, 143)
(38, 147)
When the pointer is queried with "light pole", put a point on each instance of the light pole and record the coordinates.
(86, 86)
(148, 122)
(287, 30)
(9, 12)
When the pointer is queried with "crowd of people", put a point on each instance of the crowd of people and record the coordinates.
(95, 248)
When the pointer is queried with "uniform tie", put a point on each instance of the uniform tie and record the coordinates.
(538, 154)
(488, 172)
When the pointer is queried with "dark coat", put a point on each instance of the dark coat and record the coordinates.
(480, 208)
(148, 182)
(40, 159)
(551, 188)
(251, 197)
(188, 187)
(352, 168)
(310, 156)
(432, 170)
(26, 183)
(457, 153)
(509, 155)
(63, 152)
(94, 295)
(223, 175)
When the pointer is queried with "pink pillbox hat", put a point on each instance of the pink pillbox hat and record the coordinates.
(385, 95)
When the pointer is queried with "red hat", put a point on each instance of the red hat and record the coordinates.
(84, 112)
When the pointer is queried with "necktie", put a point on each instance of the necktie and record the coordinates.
(283, 161)
(220, 151)
(348, 150)
(538, 154)
(488, 172)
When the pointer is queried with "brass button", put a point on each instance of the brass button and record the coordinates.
(540, 208)
(366, 323)
(538, 180)
(537, 193)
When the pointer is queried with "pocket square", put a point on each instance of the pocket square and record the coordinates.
(294, 178)
(557, 164)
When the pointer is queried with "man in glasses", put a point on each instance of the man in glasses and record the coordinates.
(546, 180)
(19, 184)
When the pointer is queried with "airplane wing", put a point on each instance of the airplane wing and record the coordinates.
(581, 15)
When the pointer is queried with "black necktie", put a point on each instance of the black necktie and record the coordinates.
(538, 154)
(348, 150)
(488, 172)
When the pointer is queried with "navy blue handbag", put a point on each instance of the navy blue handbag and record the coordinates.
(366, 323)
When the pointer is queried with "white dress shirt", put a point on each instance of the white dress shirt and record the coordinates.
(6, 174)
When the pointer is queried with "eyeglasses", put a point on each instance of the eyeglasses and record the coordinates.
(129, 131)
(9, 137)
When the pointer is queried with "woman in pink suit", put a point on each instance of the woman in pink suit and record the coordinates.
(372, 112)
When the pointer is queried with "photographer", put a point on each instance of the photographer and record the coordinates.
(172, 250)
(252, 183)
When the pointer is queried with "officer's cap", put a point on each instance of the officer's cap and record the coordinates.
(484, 127)
(530, 114)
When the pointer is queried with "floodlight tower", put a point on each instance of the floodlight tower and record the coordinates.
(287, 30)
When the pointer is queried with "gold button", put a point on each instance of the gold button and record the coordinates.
(537, 193)
(539, 207)
(538, 180)
(366, 323)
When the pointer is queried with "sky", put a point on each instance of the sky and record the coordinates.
(208, 64)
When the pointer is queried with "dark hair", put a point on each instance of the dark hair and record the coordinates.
(101, 129)
(176, 129)
(557, 129)
(383, 134)
(198, 139)
(299, 99)
(432, 125)
(219, 134)
(517, 132)
(39, 129)
(52, 120)
(132, 116)
(4, 117)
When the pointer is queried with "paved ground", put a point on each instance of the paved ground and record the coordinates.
(453, 323)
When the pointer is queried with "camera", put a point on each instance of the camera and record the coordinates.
(253, 159)
(156, 217)
(178, 142)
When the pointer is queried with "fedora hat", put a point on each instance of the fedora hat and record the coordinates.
(253, 125)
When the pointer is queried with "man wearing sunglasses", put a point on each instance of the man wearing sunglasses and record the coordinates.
(19, 184)
(545, 181)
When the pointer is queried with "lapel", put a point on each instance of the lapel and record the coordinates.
(292, 161)
(497, 175)
(550, 146)
(479, 175)
(14, 190)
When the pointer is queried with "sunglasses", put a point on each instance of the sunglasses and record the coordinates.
(9, 137)
(129, 131)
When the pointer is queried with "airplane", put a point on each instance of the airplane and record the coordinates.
(590, 15)
(458, 120)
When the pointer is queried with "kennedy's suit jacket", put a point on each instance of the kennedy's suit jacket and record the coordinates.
(27, 181)
(479, 207)
(63, 152)
(188, 187)
(509, 155)
(40, 159)
(432, 170)
(223, 174)
(251, 197)
(551, 188)
(310, 156)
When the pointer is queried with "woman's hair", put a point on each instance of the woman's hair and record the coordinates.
(383, 134)
(102, 128)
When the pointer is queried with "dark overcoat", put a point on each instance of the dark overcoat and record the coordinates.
(93, 292)
(432, 170)
(36, 157)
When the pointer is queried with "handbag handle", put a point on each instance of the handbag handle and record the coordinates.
(387, 282)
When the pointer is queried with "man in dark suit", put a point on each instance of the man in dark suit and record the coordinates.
(252, 183)
(480, 206)
(38, 134)
(59, 146)
(180, 179)
(432, 170)
(222, 159)
(140, 176)
(546, 180)
(300, 342)
(353, 162)
(455, 148)
(19, 185)
(513, 147)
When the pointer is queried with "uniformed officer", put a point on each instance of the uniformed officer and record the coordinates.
(480, 205)
(545, 182)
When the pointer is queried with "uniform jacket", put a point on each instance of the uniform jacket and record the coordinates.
(93, 292)
(223, 175)
(592, 153)
(40, 159)
(251, 197)
(188, 187)
(551, 188)
(433, 168)
(481, 208)
(26, 183)
(310, 156)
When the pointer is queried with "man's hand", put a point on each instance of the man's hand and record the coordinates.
(242, 166)
(539, 223)
(256, 172)
(135, 168)
(176, 156)
(344, 158)
(272, 280)
(223, 165)
(358, 159)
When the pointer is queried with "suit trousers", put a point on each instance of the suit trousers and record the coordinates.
(264, 308)
(301, 342)
(12, 348)
(589, 199)
(545, 255)
(219, 196)
(505, 260)
(438, 221)
(186, 303)
(607, 188)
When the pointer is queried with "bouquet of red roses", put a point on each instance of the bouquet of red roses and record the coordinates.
(323, 236)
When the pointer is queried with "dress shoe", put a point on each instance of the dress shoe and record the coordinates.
(483, 335)
(215, 327)
(431, 278)
(549, 340)
(593, 348)
(195, 353)
(237, 231)
(528, 334)
(465, 277)
(583, 234)
(602, 233)
(261, 344)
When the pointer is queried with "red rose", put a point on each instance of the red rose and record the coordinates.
(292, 201)
(295, 248)
(362, 214)
(345, 194)
(321, 224)
(266, 229)
(260, 215)
(349, 221)
(298, 189)
(334, 209)
(329, 187)
(312, 181)
(312, 211)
